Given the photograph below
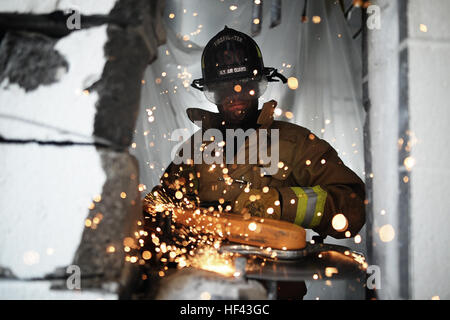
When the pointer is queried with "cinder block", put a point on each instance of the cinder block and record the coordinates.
(432, 15)
(119, 89)
(91, 94)
(45, 101)
(429, 113)
(63, 206)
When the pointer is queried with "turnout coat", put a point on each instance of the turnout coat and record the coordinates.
(311, 188)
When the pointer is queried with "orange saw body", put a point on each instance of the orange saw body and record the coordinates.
(259, 232)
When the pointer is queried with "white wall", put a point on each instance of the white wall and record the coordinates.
(383, 92)
(429, 77)
(414, 263)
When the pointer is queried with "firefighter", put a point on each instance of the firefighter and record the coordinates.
(311, 188)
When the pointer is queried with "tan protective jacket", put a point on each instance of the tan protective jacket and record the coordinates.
(311, 186)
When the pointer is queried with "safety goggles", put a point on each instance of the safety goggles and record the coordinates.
(235, 90)
(240, 89)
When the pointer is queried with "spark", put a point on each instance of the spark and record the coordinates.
(278, 112)
(387, 233)
(329, 271)
(339, 222)
(423, 28)
(409, 163)
(205, 296)
(292, 83)
(31, 257)
(178, 195)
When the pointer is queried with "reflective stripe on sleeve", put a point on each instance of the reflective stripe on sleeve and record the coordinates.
(310, 205)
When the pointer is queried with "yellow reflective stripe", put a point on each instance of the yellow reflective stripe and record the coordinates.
(320, 206)
(259, 52)
(302, 200)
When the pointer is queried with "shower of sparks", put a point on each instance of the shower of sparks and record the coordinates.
(185, 77)
(194, 243)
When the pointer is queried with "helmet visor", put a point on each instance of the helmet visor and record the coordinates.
(235, 90)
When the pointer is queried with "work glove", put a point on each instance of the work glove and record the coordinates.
(264, 203)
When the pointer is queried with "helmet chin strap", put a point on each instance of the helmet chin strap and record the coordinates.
(197, 84)
(273, 73)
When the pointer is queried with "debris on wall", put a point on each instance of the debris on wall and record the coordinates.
(69, 99)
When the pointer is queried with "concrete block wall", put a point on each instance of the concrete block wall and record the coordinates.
(381, 101)
(68, 105)
(407, 96)
(428, 45)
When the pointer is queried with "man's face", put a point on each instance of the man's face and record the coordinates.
(238, 112)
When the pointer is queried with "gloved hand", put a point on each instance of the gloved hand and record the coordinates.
(264, 203)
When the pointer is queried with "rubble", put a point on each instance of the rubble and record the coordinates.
(68, 105)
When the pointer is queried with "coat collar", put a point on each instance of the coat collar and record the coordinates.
(214, 120)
